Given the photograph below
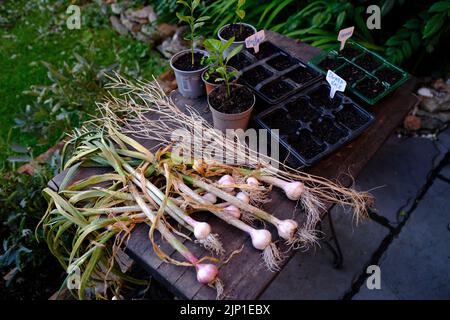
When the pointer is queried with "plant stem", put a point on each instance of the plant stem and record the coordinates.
(233, 200)
(174, 242)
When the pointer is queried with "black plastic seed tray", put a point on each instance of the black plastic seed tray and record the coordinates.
(311, 125)
(273, 73)
(368, 75)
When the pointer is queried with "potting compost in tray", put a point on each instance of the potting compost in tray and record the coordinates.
(368, 75)
(272, 73)
(312, 125)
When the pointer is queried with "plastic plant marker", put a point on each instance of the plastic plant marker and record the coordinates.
(344, 35)
(255, 40)
(336, 83)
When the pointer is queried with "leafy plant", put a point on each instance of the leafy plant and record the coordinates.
(240, 13)
(218, 64)
(193, 22)
(424, 31)
(22, 255)
(410, 33)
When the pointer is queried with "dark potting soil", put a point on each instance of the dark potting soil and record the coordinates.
(184, 62)
(327, 131)
(256, 75)
(276, 89)
(279, 119)
(281, 62)
(331, 63)
(320, 97)
(370, 87)
(350, 74)
(368, 62)
(266, 49)
(388, 75)
(349, 52)
(236, 30)
(213, 77)
(240, 99)
(299, 109)
(239, 61)
(350, 117)
(305, 145)
(300, 75)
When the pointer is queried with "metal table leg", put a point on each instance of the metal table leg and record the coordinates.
(338, 258)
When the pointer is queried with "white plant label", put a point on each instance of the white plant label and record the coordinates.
(255, 40)
(336, 83)
(344, 35)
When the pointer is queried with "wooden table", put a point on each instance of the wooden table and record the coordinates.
(245, 277)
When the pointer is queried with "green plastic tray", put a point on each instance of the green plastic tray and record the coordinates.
(352, 87)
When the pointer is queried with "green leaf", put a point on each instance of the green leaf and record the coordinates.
(184, 3)
(276, 12)
(415, 40)
(240, 14)
(412, 24)
(387, 7)
(203, 18)
(433, 25)
(225, 45)
(393, 41)
(440, 6)
(198, 25)
(234, 52)
(406, 48)
(183, 18)
(195, 4)
(340, 20)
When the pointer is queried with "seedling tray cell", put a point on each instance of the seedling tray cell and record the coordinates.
(368, 75)
(272, 73)
(311, 125)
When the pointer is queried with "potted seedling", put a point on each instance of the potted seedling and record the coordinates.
(187, 64)
(239, 30)
(215, 59)
(231, 104)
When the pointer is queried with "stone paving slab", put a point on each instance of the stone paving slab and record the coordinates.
(416, 264)
(400, 169)
(311, 275)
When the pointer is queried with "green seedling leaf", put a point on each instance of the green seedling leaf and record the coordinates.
(441, 6)
(234, 52)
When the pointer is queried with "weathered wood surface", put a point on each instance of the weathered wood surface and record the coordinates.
(245, 276)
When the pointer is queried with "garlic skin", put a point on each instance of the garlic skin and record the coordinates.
(210, 197)
(243, 197)
(233, 211)
(198, 165)
(202, 230)
(226, 180)
(252, 181)
(287, 229)
(260, 238)
(206, 273)
(294, 190)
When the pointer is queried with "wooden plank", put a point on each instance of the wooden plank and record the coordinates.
(245, 276)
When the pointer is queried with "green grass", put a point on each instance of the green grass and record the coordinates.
(31, 38)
